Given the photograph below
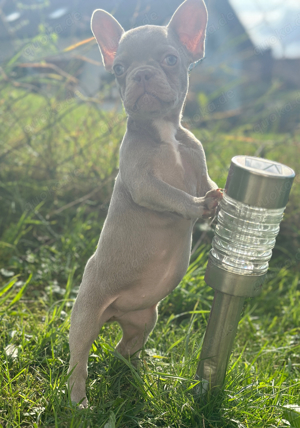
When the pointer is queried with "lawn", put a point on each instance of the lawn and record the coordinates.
(58, 161)
(263, 375)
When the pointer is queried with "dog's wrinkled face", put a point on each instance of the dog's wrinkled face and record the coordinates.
(150, 62)
(151, 73)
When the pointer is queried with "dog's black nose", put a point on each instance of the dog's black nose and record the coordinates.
(143, 75)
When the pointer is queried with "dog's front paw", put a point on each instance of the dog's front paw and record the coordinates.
(211, 201)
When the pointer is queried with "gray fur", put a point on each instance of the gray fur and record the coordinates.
(162, 188)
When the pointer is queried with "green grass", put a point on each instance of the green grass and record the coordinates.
(263, 374)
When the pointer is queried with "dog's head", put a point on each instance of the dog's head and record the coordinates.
(151, 62)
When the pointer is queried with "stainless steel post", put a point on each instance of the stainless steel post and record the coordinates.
(256, 193)
(218, 341)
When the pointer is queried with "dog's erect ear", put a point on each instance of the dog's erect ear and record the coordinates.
(189, 23)
(108, 33)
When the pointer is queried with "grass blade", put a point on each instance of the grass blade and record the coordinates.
(20, 293)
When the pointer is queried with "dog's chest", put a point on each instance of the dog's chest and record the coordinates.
(174, 163)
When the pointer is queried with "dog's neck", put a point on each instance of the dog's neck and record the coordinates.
(159, 129)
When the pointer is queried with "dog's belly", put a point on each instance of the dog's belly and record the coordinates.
(142, 255)
(158, 277)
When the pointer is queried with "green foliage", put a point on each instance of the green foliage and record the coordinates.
(55, 156)
(262, 379)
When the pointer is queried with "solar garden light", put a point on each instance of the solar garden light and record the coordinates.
(255, 197)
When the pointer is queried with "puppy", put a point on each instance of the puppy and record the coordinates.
(161, 189)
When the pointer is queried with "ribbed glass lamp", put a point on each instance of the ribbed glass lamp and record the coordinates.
(255, 197)
(244, 237)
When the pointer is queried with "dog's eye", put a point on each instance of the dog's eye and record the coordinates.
(171, 60)
(119, 69)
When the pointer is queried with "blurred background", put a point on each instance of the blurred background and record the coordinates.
(61, 120)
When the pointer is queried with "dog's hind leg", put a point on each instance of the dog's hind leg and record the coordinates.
(136, 326)
(91, 310)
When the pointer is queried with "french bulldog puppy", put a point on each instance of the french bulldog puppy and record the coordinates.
(161, 189)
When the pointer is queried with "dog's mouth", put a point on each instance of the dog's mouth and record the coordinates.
(148, 95)
(147, 101)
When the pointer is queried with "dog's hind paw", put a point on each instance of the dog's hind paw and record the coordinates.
(82, 404)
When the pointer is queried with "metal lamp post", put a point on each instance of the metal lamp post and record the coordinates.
(255, 197)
